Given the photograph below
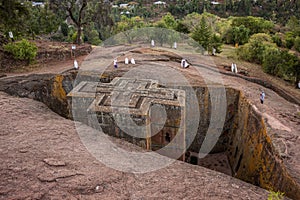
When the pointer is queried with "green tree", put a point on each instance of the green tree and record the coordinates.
(237, 35)
(41, 20)
(93, 37)
(64, 29)
(254, 49)
(181, 27)
(169, 21)
(128, 27)
(191, 21)
(294, 25)
(102, 17)
(215, 42)
(254, 24)
(12, 16)
(202, 34)
(81, 12)
(160, 33)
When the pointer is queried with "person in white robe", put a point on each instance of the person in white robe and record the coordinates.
(132, 61)
(175, 45)
(152, 43)
(184, 63)
(115, 63)
(76, 64)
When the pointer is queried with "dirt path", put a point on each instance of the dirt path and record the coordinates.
(50, 68)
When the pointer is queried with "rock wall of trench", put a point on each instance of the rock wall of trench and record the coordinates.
(48, 88)
(252, 155)
(244, 139)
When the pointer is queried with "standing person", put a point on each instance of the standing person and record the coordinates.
(175, 45)
(262, 97)
(299, 84)
(232, 67)
(183, 63)
(115, 63)
(152, 43)
(132, 61)
(235, 68)
(76, 67)
(213, 51)
(126, 61)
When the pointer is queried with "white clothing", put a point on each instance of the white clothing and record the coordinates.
(233, 68)
(115, 63)
(152, 43)
(75, 64)
(132, 61)
(126, 61)
(262, 96)
(184, 63)
(214, 51)
(175, 45)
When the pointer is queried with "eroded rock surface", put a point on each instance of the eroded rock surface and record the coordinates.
(32, 136)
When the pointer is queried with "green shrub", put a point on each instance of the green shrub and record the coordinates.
(22, 50)
(275, 195)
(94, 38)
(254, 49)
(280, 63)
(74, 37)
(64, 29)
(289, 40)
(277, 40)
(297, 44)
(272, 61)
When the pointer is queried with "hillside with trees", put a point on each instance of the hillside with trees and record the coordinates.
(263, 32)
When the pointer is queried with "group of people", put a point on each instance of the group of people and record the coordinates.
(153, 44)
(184, 63)
(234, 68)
(132, 61)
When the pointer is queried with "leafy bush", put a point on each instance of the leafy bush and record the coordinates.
(64, 29)
(93, 38)
(277, 39)
(280, 63)
(297, 44)
(271, 61)
(254, 49)
(275, 195)
(22, 50)
(254, 24)
(289, 39)
(74, 37)
(237, 35)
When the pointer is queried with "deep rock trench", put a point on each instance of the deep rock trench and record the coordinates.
(243, 150)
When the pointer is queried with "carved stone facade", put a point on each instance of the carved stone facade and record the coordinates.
(139, 111)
